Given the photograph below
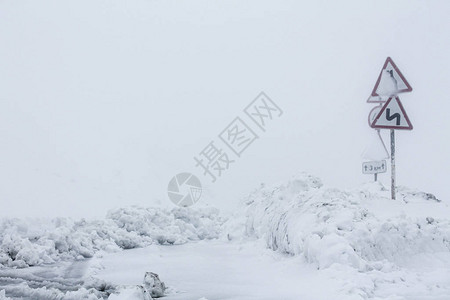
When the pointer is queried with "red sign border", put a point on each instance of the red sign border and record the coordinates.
(374, 91)
(410, 126)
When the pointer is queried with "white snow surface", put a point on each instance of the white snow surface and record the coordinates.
(26, 243)
(217, 269)
(392, 249)
(332, 226)
(295, 240)
(3, 296)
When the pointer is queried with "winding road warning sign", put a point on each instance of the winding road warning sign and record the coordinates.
(392, 116)
(390, 82)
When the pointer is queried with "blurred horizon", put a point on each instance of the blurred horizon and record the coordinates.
(103, 102)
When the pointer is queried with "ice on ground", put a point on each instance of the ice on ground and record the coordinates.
(25, 292)
(63, 280)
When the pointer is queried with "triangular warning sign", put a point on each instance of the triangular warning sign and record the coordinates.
(390, 82)
(392, 116)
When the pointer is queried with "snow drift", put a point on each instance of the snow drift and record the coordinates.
(329, 226)
(26, 243)
(376, 247)
(359, 235)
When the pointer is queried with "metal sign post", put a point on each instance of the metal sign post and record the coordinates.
(391, 115)
(393, 164)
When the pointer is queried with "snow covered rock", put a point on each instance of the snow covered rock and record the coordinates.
(137, 292)
(154, 286)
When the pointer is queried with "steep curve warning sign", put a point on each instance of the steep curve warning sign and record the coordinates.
(392, 116)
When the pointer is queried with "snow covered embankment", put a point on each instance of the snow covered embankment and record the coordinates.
(26, 243)
(360, 232)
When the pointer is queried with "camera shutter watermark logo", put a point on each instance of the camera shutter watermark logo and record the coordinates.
(184, 189)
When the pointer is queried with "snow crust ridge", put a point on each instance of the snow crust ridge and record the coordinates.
(377, 247)
(329, 226)
(26, 243)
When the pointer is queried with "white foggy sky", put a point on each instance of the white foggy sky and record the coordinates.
(102, 102)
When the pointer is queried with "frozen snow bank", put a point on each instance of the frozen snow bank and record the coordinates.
(378, 248)
(3, 296)
(360, 235)
(26, 243)
(329, 226)
(24, 291)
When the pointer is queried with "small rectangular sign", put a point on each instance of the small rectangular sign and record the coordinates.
(374, 167)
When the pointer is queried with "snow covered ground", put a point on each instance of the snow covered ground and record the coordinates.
(219, 270)
(294, 240)
(376, 247)
(49, 259)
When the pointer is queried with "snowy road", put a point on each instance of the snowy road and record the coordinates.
(218, 270)
(342, 245)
